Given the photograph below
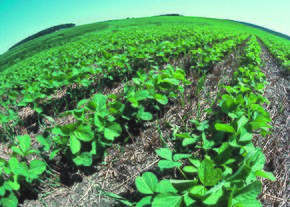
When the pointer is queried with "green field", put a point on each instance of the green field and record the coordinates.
(199, 99)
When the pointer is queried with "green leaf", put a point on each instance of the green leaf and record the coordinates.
(2, 191)
(264, 174)
(224, 153)
(162, 99)
(99, 104)
(225, 128)
(164, 153)
(213, 198)
(145, 202)
(99, 122)
(13, 163)
(82, 102)
(248, 203)
(167, 199)
(189, 169)
(172, 81)
(75, 144)
(207, 174)
(183, 185)
(167, 164)
(67, 129)
(17, 151)
(94, 148)
(37, 167)
(146, 116)
(165, 186)
(195, 162)
(24, 142)
(84, 159)
(197, 191)
(249, 192)
(141, 95)
(245, 135)
(10, 201)
(189, 201)
(54, 153)
(177, 157)
(260, 122)
(242, 122)
(45, 142)
(13, 184)
(112, 130)
(255, 159)
(21, 169)
(187, 141)
(84, 133)
(147, 183)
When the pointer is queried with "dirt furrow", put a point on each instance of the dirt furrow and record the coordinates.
(276, 146)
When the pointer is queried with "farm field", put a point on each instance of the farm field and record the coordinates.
(156, 111)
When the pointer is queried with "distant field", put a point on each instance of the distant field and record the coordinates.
(158, 111)
(73, 34)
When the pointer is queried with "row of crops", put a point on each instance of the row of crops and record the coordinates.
(280, 50)
(113, 82)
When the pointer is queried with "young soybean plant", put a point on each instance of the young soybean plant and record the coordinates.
(18, 171)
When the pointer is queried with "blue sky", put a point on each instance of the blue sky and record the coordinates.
(22, 18)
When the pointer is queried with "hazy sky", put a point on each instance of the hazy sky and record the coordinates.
(22, 18)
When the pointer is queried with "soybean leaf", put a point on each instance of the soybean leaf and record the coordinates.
(197, 191)
(145, 202)
(84, 159)
(2, 191)
(146, 116)
(37, 167)
(167, 199)
(249, 192)
(82, 102)
(165, 186)
(177, 157)
(141, 95)
(225, 128)
(264, 174)
(84, 133)
(10, 201)
(189, 169)
(183, 185)
(45, 142)
(167, 164)
(54, 153)
(75, 144)
(189, 201)
(161, 98)
(213, 198)
(207, 174)
(248, 203)
(147, 183)
(164, 153)
(242, 122)
(24, 142)
(245, 135)
(112, 130)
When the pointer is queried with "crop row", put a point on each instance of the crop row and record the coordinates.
(224, 171)
(280, 51)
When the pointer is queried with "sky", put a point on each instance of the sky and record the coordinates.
(22, 18)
